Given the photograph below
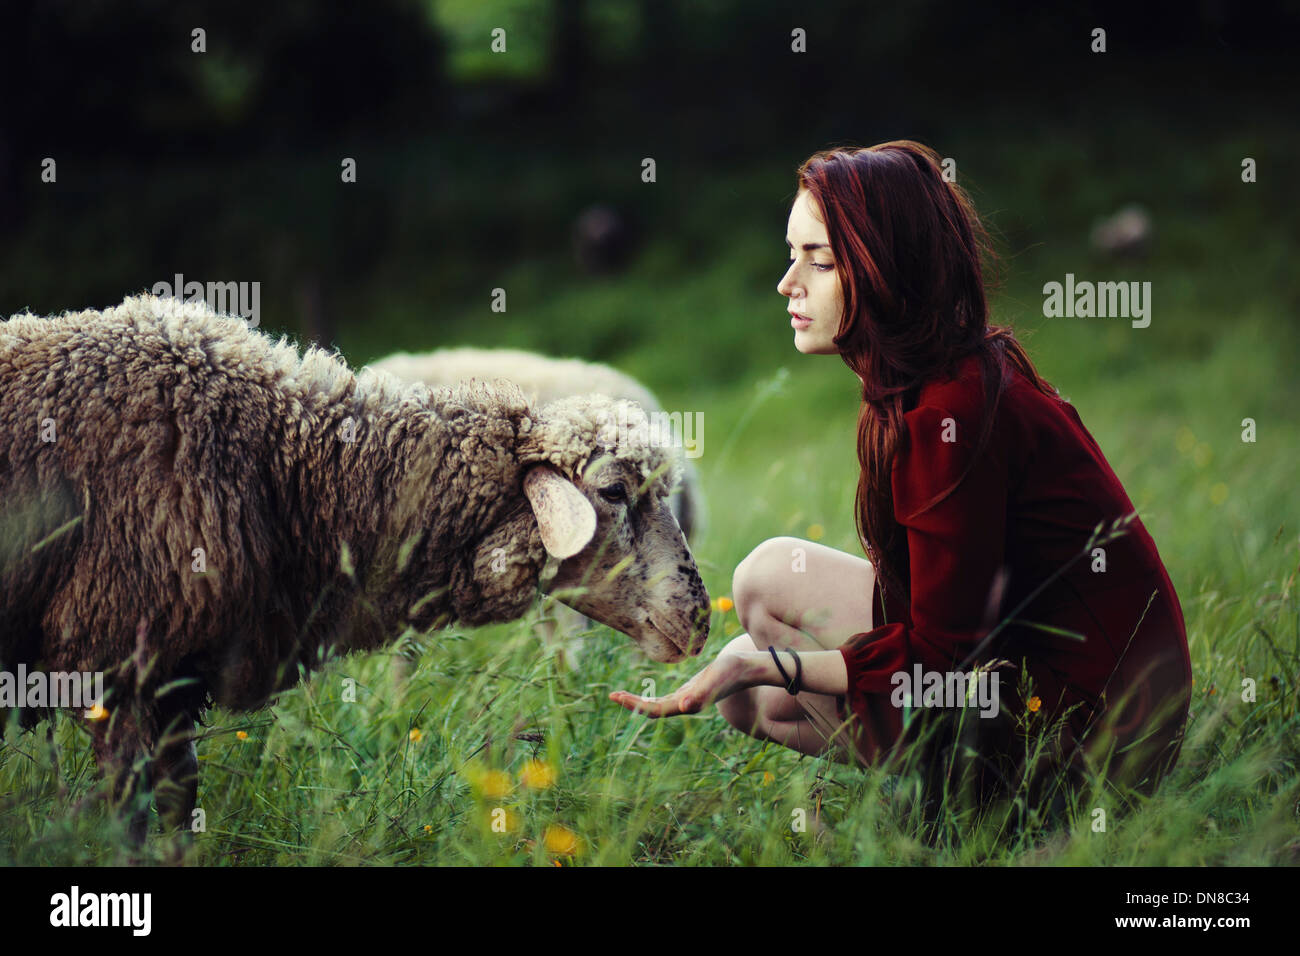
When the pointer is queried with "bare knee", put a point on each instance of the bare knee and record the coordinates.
(751, 584)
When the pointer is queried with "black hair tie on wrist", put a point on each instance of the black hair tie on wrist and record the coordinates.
(791, 686)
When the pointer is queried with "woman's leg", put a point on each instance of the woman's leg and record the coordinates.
(797, 594)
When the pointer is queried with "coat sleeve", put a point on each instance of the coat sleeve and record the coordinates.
(955, 551)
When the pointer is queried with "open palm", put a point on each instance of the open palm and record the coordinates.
(724, 675)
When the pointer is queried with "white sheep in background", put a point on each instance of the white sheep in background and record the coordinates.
(199, 511)
(544, 379)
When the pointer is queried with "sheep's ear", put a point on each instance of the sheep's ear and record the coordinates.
(565, 517)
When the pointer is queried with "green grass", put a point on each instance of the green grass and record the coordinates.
(318, 780)
(323, 781)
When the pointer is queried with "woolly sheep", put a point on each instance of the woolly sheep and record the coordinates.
(544, 379)
(217, 512)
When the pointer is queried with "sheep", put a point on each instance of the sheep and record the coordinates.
(202, 514)
(543, 379)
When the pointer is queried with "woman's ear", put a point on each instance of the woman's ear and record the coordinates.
(565, 517)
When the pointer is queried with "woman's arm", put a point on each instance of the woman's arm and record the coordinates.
(824, 672)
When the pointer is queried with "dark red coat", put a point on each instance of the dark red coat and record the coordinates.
(1028, 506)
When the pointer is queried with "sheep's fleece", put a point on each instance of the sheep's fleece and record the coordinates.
(183, 497)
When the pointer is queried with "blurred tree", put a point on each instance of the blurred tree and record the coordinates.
(468, 26)
(270, 73)
(570, 50)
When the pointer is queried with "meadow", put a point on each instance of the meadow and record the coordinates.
(495, 725)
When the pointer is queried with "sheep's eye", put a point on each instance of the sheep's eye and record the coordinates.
(614, 492)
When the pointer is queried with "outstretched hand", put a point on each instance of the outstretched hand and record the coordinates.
(723, 676)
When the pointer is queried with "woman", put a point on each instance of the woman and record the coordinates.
(979, 494)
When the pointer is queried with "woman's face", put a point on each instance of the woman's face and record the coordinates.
(811, 283)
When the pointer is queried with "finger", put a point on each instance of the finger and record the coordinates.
(632, 702)
(650, 706)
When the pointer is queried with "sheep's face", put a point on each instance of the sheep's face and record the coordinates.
(636, 574)
(602, 499)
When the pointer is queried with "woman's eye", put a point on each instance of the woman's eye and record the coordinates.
(816, 265)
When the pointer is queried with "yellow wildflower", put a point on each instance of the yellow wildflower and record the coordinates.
(496, 783)
(492, 784)
(415, 735)
(560, 840)
(1033, 704)
(537, 774)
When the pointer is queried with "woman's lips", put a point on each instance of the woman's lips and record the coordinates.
(799, 322)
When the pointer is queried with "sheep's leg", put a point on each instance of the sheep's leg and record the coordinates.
(122, 746)
(560, 630)
(176, 775)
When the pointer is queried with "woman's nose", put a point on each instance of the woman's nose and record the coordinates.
(785, 286)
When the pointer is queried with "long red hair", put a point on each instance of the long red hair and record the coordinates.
(911, 255)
